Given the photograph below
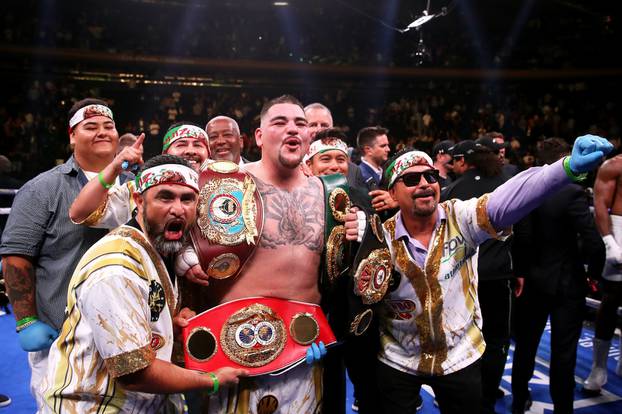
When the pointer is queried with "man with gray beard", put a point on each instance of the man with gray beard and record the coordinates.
(122, 309)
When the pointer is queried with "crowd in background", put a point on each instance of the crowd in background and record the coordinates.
(33, 134)
(352, 32)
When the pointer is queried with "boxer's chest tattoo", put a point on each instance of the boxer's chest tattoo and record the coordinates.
(293, 218)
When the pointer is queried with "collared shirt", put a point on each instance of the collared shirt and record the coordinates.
(418, 251)
(39, 228)
(119, 320)
(431, 324)
(377, 170)
(368, 170)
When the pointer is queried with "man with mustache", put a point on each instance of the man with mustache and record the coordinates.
(115, 347)
(431, 324)
(286, 261)
(224, 139)
(102, 204)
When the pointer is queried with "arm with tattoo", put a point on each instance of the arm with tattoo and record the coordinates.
(19, 276)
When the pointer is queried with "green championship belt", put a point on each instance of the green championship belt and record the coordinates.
(337, 205)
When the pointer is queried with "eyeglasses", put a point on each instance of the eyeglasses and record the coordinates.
(413, 179)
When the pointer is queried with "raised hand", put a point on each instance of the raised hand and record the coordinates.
(587, 152)
(131, 156)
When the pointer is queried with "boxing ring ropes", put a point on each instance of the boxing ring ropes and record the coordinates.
(592, 303)
(6, 191)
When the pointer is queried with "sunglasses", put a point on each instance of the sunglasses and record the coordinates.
(413, 179)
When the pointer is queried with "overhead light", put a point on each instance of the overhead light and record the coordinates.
(421, 20)
(280, 3)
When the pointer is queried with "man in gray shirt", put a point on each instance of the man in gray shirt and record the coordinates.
(41, 246)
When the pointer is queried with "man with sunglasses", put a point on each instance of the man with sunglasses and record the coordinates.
(431, 324)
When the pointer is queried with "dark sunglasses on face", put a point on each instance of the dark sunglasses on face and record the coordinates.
(413, 179)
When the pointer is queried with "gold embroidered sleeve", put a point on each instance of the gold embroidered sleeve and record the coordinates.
(483, 220)
(129, 362)
(96, 216)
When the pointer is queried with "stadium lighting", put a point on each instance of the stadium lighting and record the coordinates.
(420, 21)
(280, 3)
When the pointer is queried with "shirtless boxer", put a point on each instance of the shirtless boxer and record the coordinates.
(608, 211)
(286, 262)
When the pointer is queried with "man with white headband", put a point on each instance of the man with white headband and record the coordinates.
(431, 326)
(40, 246)
(328, 154)
(319, 118)
(103, 203)
(122, 307)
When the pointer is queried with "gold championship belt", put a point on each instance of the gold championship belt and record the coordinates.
(337, 205)
(262, 335)
(229, 219)
(372, 263)
(371, 278)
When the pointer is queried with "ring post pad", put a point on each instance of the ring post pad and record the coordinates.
(261, 335)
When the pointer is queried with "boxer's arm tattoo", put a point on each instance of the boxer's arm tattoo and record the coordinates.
(19, 276)
(299, 216)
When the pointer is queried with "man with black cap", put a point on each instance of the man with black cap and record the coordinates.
(479, 170)
(496, 143)
(442, 161)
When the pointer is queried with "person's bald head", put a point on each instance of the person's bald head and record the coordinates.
(5, 164)
(225, 142)
(126, 140)
(318, 118)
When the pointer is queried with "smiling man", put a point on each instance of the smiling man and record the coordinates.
(328, 154)
(224, 139)
(106, 203)
(431, 326)
(40, 246)
(122, 304)
(187, 141)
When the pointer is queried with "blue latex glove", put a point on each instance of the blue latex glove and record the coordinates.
(587, 153)
(315, 352)
(37, 337)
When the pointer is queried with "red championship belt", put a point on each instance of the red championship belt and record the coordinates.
(262, 335)
(229, 219)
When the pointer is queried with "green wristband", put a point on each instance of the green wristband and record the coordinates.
(25, 320)
(102, 182)
(571, 174)
(214, 383)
